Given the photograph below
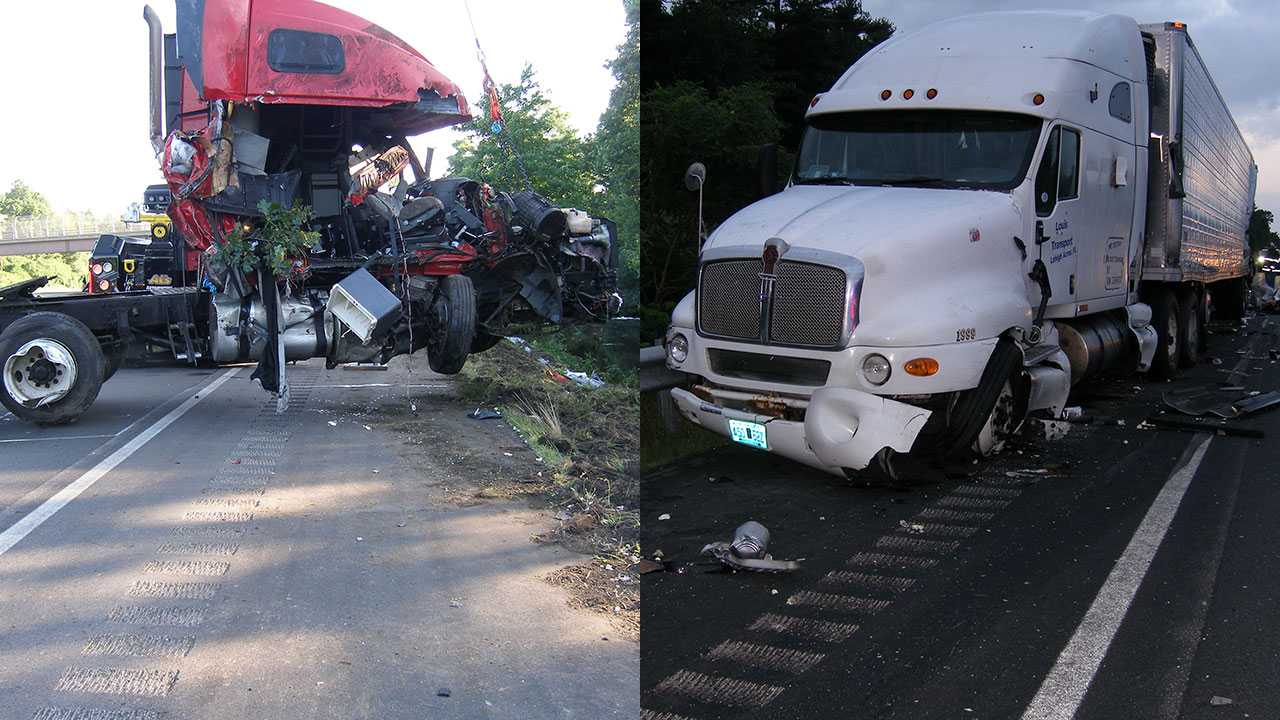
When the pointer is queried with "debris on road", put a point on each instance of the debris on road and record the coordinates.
(1218, 700)
(664, 516)
(1205, 402)
(482, 413)
(748, 551)
(1193, 426)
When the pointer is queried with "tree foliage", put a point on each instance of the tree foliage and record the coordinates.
(275, 241)
(1260, 233)
(68, 271)
(540, 134)
(615, 153)
(21, 201)
(722, 80)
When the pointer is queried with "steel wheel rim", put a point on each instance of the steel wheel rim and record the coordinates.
(1000, 424)
(40, 372)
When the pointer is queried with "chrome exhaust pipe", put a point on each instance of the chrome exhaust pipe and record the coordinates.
(156, 61)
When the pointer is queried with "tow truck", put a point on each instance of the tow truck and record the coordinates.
(262, 104)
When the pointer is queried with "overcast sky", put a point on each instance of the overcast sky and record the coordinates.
(73, 94)
(1238, 39)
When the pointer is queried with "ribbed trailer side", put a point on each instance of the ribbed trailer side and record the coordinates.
(1203, 176)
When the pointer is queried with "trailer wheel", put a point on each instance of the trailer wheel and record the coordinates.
(1166, 316)
(53, 368)
(1191, 325)
(453, 325)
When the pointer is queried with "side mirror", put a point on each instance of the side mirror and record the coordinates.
(695, 176)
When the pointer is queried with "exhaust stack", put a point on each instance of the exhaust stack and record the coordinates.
(155, 41)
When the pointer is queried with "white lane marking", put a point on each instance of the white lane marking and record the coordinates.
(1065, 686)
(64, 437)
(374, 385)
(63, 497)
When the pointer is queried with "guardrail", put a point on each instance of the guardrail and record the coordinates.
(655, 376)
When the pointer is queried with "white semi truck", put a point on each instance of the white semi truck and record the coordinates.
(982, 213)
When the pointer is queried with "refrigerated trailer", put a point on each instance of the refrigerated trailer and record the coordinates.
(982, 213)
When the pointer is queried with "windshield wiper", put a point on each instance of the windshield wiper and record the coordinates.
(914, 180)
(824, 181)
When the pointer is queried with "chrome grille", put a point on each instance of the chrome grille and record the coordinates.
(729, 299)
(809, 302)
(808, 305)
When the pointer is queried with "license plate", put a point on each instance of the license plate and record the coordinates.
(748, 433)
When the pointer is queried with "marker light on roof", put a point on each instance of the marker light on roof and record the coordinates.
(886, 94)
(933, 93)
(1038, 99)
(906, 94)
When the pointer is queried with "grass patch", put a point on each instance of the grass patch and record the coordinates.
(587, 436)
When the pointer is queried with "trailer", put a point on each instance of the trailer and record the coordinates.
(983, 213)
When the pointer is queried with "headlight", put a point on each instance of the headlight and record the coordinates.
(678, 348)
(876, 369)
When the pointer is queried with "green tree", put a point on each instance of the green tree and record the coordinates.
(539, 132)
(22, 201)
(1260, 233)
(615, 153)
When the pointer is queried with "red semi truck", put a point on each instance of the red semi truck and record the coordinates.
(258, 105)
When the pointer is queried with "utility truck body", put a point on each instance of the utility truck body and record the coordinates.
(982, 213)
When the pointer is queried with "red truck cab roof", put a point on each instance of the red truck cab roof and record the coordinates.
(307, 53)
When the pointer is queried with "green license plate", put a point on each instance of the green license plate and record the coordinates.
(748, 433)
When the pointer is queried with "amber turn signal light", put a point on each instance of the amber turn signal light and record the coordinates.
(906, 94)
(886, 94)
(1038, 99)
(921, 367)
(933, 93)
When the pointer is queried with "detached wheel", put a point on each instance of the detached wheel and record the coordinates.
(1165, 316)
(453, 325)
(53, 368)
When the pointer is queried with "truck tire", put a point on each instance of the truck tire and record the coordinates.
(49, 354)
(988, 410)
(1165, 316)
(1191, 325)
(111, 362)
(453, 326)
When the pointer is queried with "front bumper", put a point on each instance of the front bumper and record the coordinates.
(843, 428)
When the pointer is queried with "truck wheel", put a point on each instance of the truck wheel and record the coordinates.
(111, 362)
(453, 325)
(53, 368)
(1165, 318)
(1191, 325)
(982, 419)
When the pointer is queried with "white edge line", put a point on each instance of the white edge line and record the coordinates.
(1064, 688)
(63, 497)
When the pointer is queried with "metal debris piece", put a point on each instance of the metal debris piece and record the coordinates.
(1166, 423)
(748, 551)
(1217, 700)
(483, 413)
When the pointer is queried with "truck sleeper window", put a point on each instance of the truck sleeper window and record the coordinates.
(924, 148)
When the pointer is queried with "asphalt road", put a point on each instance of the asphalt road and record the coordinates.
(1119, 572)
(183, 551)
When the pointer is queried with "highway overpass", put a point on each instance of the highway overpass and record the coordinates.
(60, 234)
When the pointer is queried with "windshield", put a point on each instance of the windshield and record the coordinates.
(928, 148)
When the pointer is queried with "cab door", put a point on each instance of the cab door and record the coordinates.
(1057, 194)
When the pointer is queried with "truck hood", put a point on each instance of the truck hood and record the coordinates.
(938, 262)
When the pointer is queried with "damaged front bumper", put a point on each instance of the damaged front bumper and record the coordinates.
(843, 428)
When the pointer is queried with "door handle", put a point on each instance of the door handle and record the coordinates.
(1041, 238)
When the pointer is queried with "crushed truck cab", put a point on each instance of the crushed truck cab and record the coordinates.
(982, 213)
